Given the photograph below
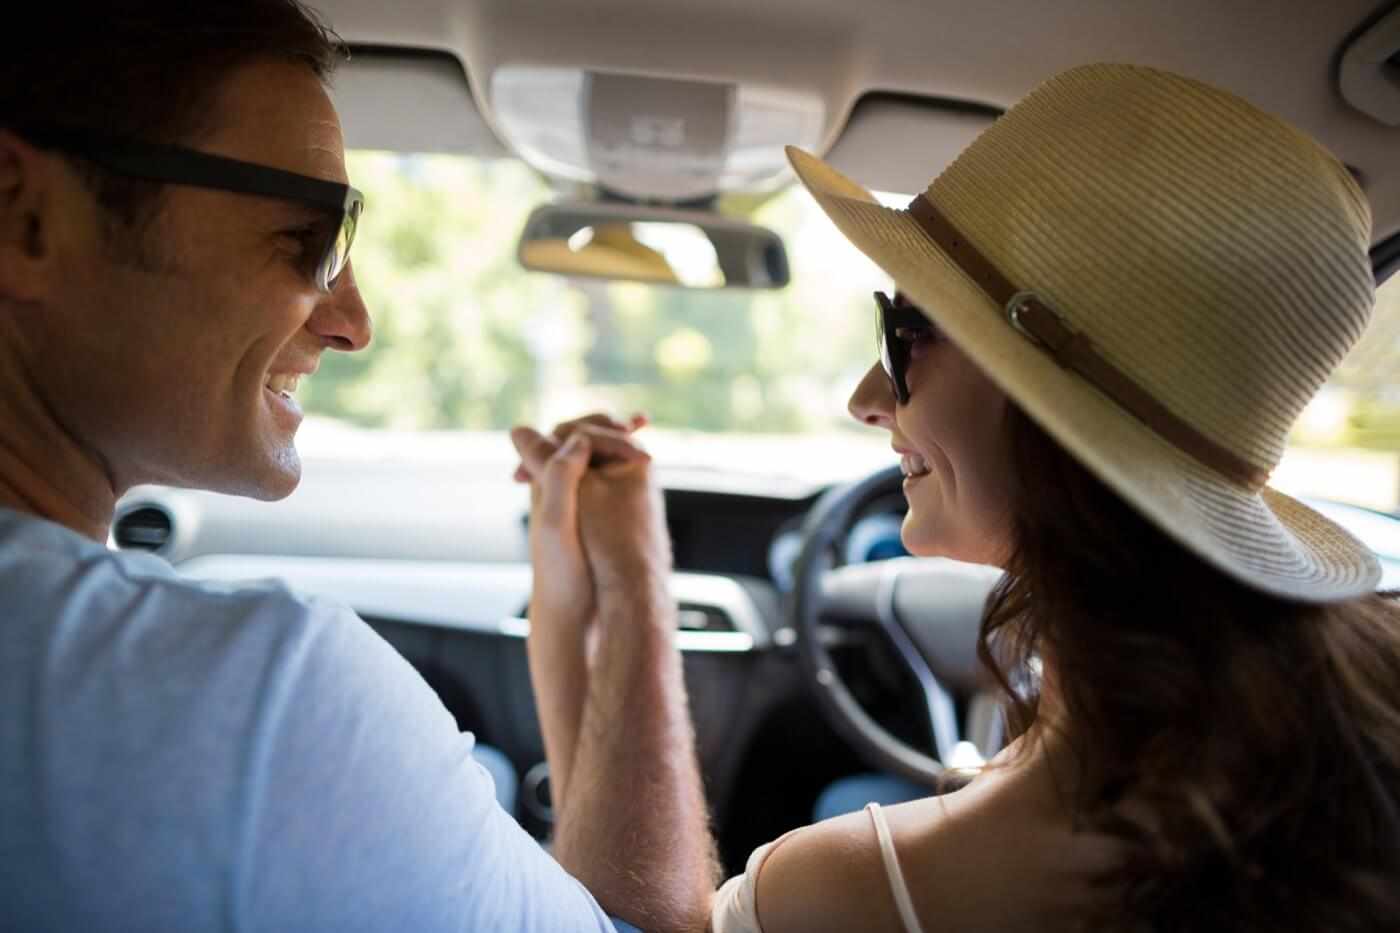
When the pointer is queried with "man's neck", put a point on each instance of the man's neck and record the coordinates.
(24, 489)
(44, 470)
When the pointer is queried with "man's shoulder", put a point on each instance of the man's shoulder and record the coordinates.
(155, 662)
(79, 599)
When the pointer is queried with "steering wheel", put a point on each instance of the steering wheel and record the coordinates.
(929, 609)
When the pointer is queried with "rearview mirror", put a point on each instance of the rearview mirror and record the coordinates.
(691, 249)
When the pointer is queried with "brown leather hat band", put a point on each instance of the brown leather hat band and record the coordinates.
(1042, 325)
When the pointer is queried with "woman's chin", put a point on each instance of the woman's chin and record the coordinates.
(918, 539)
(921, 538)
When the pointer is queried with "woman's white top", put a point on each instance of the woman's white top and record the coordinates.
(734, 908)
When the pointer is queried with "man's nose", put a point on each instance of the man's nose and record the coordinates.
(873, 400)
(341, 319)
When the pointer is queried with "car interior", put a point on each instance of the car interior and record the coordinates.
(573, 207)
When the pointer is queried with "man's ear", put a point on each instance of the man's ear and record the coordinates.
(27, 228)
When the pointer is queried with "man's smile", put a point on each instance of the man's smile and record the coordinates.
(283, 384)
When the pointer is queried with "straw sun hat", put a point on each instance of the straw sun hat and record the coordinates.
(1161, 276)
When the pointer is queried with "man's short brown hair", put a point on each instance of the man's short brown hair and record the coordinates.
(145, 69)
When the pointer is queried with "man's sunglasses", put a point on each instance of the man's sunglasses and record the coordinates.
(897, 323)
(159, 162)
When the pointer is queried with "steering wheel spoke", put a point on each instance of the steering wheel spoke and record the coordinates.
(928, 610)
(942, 712)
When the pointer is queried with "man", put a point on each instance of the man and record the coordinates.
(174, 232)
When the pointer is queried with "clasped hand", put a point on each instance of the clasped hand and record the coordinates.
(597, 520)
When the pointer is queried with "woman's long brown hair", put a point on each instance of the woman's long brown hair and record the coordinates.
(1247, 747)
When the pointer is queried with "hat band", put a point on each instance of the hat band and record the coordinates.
(1042, 325)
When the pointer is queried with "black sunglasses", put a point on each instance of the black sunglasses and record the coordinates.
(159, 162)
(897, 323)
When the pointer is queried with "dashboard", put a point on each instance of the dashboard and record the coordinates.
(349, 515)
(721, 533)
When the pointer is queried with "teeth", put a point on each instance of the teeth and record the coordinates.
(913, 465)
(283, 384)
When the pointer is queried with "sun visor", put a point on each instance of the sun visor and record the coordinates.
(410, 101)
(900, 143)
(1369, 71)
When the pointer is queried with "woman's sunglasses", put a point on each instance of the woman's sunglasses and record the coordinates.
(177, 165)
(897, 325)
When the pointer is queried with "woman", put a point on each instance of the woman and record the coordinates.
(1112, 307)
(1131, 285)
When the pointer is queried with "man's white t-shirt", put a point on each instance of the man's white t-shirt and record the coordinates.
(175, 756)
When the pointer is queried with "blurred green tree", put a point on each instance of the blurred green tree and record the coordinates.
(1371, 376)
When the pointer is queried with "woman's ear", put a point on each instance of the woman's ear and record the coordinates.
(26, 222)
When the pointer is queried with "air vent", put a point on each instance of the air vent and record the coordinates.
(147, 528)
(693, 617)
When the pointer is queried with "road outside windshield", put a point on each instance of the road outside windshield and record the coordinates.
(466, 340)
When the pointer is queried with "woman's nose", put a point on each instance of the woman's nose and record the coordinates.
(873, 401)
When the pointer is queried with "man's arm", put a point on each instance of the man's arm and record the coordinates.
(634, 826)
(631, 818)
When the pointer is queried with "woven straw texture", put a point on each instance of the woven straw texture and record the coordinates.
(1210, 251)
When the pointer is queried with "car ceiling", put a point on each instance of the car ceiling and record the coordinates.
(907, 83)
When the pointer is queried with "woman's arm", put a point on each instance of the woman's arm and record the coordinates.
(826, 877)
(561, 598)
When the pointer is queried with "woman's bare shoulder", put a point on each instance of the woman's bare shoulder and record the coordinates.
(826, 877)
(1003, 853)
(999, 854)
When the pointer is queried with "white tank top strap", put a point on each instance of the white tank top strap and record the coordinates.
(898, 888)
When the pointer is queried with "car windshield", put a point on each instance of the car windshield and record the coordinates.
(466, 340)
